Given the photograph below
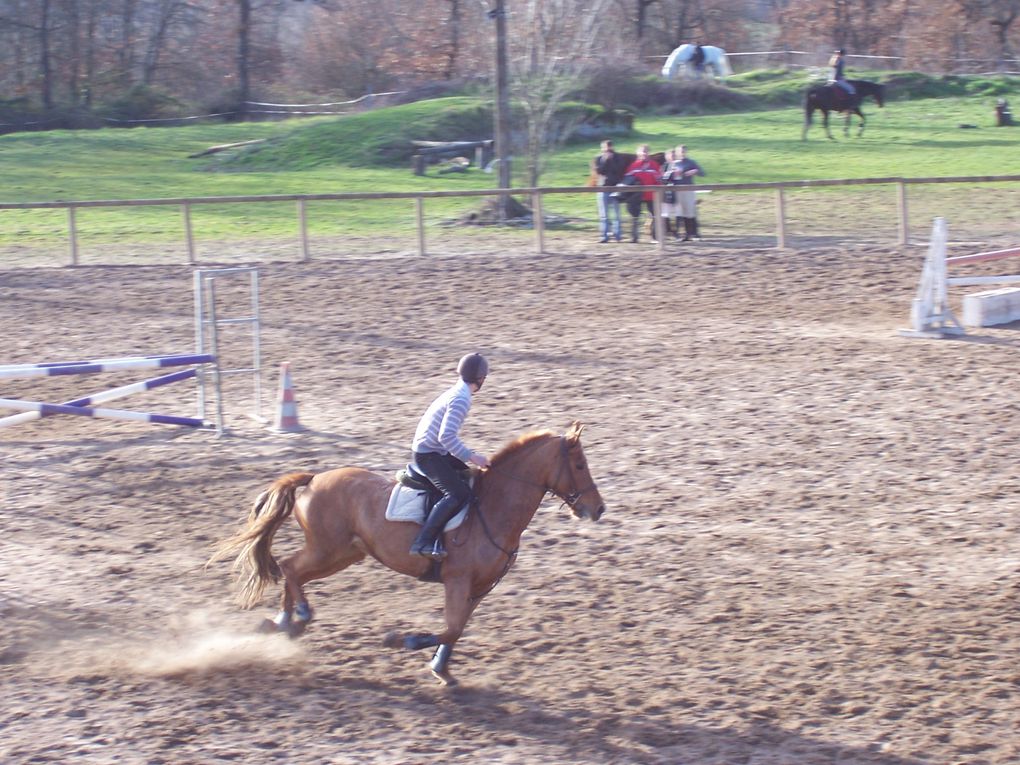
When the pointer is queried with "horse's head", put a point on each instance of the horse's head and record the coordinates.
(572, 481)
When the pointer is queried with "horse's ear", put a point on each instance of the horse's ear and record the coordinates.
(573, 434)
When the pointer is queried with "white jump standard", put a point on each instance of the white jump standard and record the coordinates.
(930, 313)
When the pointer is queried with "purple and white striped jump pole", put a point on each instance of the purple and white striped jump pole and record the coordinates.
(88, 361)
(112, 365)
(113, 414)
(103, 396)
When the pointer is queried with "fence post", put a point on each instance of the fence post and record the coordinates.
(658, 224)
(303, 225)
(901, 199)
(419, 215)
(538, 218)
(73, 233)
(780, 218)
(186, 211)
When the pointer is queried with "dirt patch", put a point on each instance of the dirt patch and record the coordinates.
(809, 553)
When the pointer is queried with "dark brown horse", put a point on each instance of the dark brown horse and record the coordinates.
(621, 162)
(833, 98)
(342, 513)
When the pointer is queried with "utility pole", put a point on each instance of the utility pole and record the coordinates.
(502, 113)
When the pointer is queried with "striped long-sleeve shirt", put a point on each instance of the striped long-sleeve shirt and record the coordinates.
(439, 428)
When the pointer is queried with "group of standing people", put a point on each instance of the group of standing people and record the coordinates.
(679, 206)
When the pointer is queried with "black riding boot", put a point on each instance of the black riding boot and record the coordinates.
(634, 226)
(687, 229)
(429, 542)
(694, 229)
(676, 227)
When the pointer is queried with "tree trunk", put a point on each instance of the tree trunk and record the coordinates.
(451, 59)
(502, 114)
(243, 56)
(45, 66)
(126, 54)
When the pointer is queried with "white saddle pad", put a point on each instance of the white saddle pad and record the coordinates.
(407, 504)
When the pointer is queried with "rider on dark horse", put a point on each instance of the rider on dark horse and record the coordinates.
(698, 59)
(844, 93)
(440, 454)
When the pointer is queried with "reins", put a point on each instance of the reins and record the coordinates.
(569, 499)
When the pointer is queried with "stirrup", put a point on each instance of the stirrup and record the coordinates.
(437, 551)
(433, 551)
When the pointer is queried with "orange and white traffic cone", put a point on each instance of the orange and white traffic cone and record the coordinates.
(286, 414)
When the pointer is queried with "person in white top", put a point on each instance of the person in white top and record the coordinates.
(439, 453)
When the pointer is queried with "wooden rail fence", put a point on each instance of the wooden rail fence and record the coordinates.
(535, 194)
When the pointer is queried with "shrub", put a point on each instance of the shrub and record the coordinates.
(142, 102)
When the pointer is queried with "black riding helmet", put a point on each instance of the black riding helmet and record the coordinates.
(473, 368)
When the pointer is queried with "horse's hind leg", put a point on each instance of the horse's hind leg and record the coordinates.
(306, 565)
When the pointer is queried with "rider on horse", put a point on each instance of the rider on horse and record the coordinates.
(838, 76)
(440, 454)
(698, 59)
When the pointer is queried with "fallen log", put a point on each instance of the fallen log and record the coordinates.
(224, 147)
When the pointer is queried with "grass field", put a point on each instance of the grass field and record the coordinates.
(908, 138)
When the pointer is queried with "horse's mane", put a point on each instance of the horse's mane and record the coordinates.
(520, 443)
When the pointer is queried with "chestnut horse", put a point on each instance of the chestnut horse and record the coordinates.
(342, 513)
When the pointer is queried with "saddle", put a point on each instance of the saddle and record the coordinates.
(625, 196)
(414, 496)
(842, 99)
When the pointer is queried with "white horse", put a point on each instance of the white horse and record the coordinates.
(680, 62)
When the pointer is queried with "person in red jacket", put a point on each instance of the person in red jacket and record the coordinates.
(643, 171)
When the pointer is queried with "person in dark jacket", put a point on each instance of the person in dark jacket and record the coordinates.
(609, 167)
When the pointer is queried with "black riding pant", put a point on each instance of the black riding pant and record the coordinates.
(443, 470)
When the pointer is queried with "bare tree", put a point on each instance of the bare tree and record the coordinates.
(1000, 15)
(556, 46)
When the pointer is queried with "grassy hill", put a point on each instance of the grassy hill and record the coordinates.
(919, 133)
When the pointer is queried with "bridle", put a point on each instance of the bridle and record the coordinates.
(571, 499)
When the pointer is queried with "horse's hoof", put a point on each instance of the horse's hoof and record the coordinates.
(445, 678)
(296, 629)
(393, 639)
(266, 627)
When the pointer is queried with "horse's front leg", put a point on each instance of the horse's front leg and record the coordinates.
(860, 131)
(457, 610)
(825, 123)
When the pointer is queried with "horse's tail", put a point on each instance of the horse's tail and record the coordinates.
(809, 107)
(252, 545)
